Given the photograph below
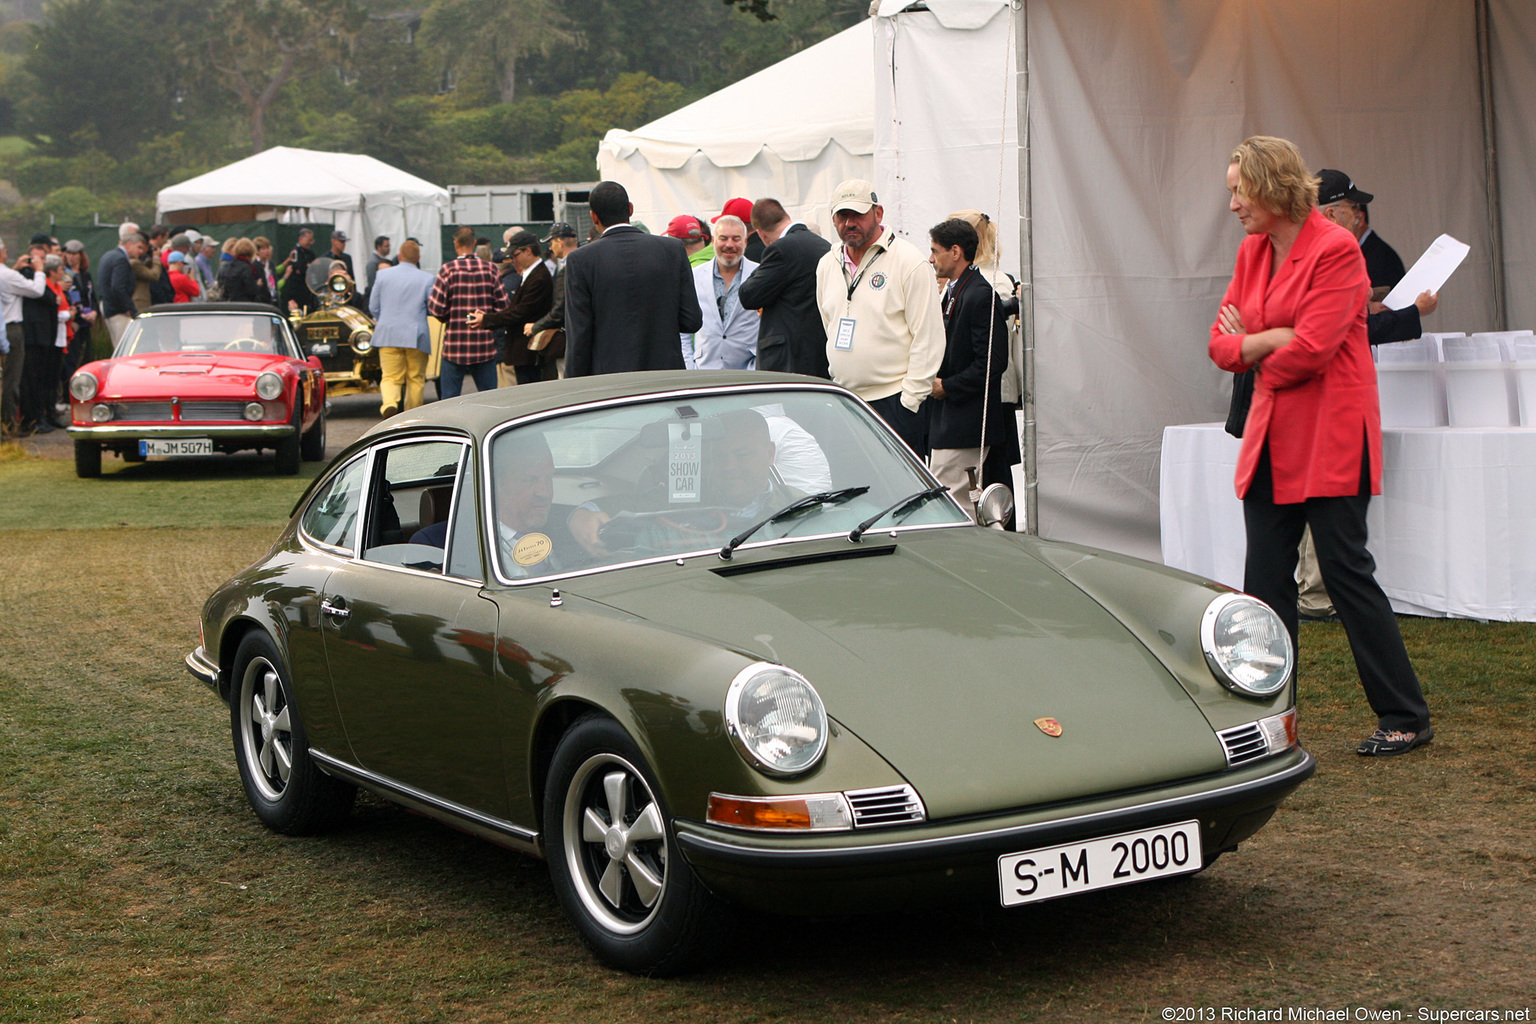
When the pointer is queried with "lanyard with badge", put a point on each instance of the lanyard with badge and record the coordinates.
(844, 340)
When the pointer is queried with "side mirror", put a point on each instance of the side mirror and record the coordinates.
(994, 506)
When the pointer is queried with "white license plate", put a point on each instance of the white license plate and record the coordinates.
(1099, 863)
(180, 446)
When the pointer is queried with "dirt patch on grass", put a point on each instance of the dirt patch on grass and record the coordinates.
(135, 885)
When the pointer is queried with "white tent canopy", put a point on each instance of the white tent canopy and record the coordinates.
(1110, 197)
(792, 131)
(360, 195)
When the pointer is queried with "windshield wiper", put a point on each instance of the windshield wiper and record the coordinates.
(800, 505)
(909, 502)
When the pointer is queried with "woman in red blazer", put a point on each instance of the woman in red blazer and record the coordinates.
(1295, 312)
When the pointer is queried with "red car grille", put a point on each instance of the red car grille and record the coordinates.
(141, 412)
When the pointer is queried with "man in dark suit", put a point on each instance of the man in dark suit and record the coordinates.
(964, 386)
(791, 336)
(628, 296)
(530, 301)
(115, 283)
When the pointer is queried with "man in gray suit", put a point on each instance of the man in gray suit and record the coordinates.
(398, 302)
(628, 295)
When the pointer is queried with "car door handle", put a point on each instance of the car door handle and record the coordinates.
(338, 611)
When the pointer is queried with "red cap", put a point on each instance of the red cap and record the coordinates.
(685, 227)
(738, 207)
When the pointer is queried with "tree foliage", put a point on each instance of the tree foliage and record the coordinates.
(494, 34)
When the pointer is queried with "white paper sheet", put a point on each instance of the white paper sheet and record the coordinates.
(1432, 270)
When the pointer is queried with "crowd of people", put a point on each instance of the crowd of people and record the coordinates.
(920, 335)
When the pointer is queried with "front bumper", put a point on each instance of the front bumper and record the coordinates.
(204, 669)
(943, 861)
(152, 431)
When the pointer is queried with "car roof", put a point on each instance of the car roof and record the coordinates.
(480, 412)
(215, 307)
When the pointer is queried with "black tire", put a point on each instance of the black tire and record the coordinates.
(603, 874)
(313, 445)
(87, 459)
(287, 451)
(286, 789)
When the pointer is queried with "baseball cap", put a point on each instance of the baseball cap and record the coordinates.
(522, 239)
(738, 207)
(855, 194)
(41, 238)
(176, 256)
(685, 227)
(74, 245)
(559, 229)
(1336, 186)
(340, 236)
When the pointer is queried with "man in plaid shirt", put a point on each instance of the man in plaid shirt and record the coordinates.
(464, 284)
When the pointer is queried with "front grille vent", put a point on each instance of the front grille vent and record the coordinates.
(888, 805)
(222, 411)
(1244, 743)
(141, 412)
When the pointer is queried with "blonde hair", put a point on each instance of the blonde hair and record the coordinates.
(262, 242)
(244, 247)
(1271, 173)
(229, 245)
(986, 235)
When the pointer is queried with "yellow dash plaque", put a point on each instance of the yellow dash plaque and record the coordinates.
(531, 549)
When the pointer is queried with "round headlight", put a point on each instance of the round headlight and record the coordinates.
(254, 411)
(1246, 645)
(361, 342)
(101, 413)
(269, 386)
(82, 386)
(776, 719)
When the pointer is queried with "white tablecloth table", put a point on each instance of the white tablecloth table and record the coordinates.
(1453, 531)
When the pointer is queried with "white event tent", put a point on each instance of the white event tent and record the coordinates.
(360, 195)
(791, 131)
(1110, 196)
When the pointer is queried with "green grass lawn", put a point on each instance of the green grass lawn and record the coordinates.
(135, 884)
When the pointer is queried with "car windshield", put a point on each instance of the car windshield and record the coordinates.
(678, 476)
(205, 332)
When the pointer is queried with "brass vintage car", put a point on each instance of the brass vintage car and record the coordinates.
(338, 334)
(707, 640)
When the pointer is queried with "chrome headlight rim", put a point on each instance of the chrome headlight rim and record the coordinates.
(1219, 669)
(361, 342)
(733, 722)
(269, 386)
(83, 386)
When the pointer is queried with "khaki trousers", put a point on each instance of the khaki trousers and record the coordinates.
(1312, 598)
(506, 376)
(404, 369)
(116, 325)
(950, 465)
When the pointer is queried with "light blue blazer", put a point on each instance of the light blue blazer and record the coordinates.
(398, 302)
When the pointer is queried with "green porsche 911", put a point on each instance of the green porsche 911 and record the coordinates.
(717, 643)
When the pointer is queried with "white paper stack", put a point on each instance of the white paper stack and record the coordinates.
(1479, 382)
(1523, 348)
(1410, 382)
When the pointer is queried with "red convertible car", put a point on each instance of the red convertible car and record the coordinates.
(199, 379)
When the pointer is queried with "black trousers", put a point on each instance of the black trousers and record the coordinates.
(1338, 529)
(39, 384)
(911, 426)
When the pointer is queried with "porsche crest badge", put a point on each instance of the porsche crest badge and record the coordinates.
(1049, 726)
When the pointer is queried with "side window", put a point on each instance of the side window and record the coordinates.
(464, 542)
(332, 515)
(408, 503)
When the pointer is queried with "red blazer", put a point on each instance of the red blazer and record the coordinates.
(1314, 401)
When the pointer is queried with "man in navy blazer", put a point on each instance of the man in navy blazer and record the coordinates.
(115, 284)
(791, 337)
(628, 295)
(398, 303)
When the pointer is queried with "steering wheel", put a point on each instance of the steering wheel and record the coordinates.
(247, 345)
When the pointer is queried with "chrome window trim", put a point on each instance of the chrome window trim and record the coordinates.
(308, 539)
(464, 444)
(494, 549)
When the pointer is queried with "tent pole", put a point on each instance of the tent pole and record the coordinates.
(1491, 164)
(1028, 443)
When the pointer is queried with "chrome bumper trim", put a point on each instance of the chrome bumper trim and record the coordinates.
(713, 846)
(203, 669)
(216, 431)
(467, 818)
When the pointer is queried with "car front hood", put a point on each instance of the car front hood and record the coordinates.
(217, 372)
(942, 652)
